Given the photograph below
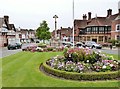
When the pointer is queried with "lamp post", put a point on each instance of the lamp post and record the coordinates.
(73, 23)
(55, 17)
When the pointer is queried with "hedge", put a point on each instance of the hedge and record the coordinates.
(81, 76)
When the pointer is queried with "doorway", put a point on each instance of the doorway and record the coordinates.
(95, 40)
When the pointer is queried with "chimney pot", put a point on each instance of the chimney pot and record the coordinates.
(84, 16)
(6, 18)
(89, 15)
(109, 12)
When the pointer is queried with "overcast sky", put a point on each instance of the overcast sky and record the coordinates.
(30, 13)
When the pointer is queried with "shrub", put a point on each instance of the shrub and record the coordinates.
(105, 44)
(42, 45)
(113, 41)
(117, 44)
(81, 76)
(50, 49)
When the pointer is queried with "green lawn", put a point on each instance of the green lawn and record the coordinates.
(22, 70)
(0, 72)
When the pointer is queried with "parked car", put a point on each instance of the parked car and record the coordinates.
(93, 44)
(14, 46)
(67, 44)
(18, 45)
(80, 44)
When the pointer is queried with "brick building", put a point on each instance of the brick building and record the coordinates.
(63, 34)
(27, 34)
(98, 29)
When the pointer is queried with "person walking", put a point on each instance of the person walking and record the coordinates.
(111, 46)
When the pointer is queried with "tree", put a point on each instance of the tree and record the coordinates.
(43, 32)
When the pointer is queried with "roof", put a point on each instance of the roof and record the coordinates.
(80, 23)
(98, 21)
(1, 22)
(24, 29)
(31, 30)
(11, 27)
(112, 17)
(117, 18)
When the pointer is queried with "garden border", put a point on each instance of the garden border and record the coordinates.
(81, 76)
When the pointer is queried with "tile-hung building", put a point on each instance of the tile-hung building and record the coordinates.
(98, 29)
(7, 31)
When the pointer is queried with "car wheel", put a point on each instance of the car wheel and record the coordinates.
(93, 46)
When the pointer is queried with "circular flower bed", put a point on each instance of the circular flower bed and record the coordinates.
(83, 61)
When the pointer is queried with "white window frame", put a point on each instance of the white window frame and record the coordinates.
(117, 27)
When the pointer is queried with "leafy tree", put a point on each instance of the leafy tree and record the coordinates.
(43, 32)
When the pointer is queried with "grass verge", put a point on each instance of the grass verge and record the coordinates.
(22, 70)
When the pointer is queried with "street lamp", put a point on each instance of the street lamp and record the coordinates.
(55, 16)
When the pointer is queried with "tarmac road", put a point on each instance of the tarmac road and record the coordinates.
(5, 52)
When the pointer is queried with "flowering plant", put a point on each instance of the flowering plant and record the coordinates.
(83, 60)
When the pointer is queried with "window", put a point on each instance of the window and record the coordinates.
(118, 37)
(118, 27)
(88, 30)
(101, 29)
(100, 38)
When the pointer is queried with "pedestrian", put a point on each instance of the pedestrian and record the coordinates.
(110, 46)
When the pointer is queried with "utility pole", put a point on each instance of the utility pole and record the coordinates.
(73, 23)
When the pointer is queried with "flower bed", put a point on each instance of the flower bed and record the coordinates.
(83, 60)
(81, 76)
(35, 48)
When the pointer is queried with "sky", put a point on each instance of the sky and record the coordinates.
(29, 14)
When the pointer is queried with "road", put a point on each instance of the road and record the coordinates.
(5, 52)
(109, 51)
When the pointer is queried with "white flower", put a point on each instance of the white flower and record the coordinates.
(39, 48)
(87, 61)
(114, 61)
(56, 59)
(99, 51)
(104, 67)
(69, 55)
(111, 65)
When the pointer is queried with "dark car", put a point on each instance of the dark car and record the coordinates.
(14, 46)
(80, 44)
(18, 45)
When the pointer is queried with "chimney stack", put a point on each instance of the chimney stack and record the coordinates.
(84, 17)
(109, 12)
(6, 18)
(89, 15)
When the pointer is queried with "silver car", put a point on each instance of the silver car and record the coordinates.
(93, 44)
